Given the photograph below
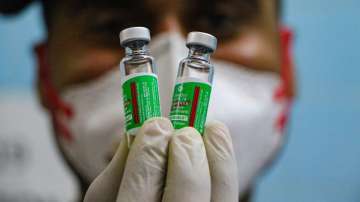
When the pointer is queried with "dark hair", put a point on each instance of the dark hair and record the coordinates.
(13, 7)
(124, 8)
(10, 7)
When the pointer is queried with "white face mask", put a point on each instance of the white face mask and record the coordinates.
(243, 99)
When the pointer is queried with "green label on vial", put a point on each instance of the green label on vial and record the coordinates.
(190, 104)
(141, 100)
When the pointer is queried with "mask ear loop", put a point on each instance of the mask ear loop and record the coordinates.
(286, 91)
(49, 95)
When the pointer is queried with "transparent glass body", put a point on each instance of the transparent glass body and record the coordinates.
(137, 59)
(197, 65)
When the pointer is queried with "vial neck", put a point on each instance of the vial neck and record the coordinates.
(200, 53)
(136, 48)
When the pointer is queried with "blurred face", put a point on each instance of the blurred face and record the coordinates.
(84, 44)
(83, 48)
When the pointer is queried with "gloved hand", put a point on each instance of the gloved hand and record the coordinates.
(170, 166)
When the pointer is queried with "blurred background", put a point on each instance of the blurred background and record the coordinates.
(320, 163)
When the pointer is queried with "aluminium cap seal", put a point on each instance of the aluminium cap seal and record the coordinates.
(134, 33)
(203, 39)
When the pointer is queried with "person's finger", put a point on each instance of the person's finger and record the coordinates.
(105, 187)
(144, 174)
(188, 177)
(222, 163)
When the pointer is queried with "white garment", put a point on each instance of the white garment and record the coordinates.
(241, 98)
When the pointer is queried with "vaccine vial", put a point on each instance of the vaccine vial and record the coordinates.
(138, 79)
(192, 90)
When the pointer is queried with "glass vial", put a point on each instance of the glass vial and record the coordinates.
(138, 79)
(192, 90)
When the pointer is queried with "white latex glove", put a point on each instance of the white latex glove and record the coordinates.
(170, 166)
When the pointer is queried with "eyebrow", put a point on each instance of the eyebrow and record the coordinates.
(105, 22)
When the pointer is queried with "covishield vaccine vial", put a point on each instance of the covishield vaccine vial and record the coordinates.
(138, 79)
(192, 90)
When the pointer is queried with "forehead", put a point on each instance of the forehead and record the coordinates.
(96, 20)
(125, 12)
(223, 18)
